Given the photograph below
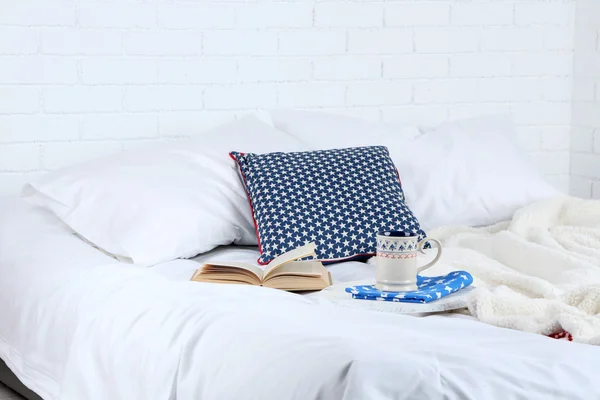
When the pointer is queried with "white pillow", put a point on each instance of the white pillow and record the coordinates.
(328, 131)
(159, 204)
(469, 172)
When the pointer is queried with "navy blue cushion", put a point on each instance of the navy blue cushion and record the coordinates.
(338, 199)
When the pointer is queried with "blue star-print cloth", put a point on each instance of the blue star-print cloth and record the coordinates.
(338, 199)
(431, 288)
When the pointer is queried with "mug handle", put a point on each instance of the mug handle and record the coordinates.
(437, 257)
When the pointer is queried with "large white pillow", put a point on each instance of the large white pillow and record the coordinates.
(320, 130)
(469, 172)
(159, 204)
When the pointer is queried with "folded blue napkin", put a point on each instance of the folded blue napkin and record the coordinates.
(431, 288)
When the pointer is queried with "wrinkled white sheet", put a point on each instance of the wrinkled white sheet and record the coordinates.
(74, 325)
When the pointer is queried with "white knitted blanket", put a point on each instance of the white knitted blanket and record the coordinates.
(538, 273)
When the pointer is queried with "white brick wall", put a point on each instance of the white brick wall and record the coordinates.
(585, 135)
(81, 78)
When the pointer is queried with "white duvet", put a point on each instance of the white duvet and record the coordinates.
(76, 325)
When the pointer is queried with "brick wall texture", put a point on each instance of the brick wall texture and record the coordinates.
(83, 78)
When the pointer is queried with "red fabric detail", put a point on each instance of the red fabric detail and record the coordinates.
(563, 335)
(398, 174)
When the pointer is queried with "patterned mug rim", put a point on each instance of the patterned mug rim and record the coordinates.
(397, 234)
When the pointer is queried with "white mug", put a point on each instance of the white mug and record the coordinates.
(396, 264)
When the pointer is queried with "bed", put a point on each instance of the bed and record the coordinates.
(115, 316)
(125, 333)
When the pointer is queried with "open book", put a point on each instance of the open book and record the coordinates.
(284, 272)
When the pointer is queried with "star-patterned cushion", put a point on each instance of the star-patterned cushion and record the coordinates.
(338, 199)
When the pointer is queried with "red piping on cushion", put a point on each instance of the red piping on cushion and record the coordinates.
(394, 165)
(249, 202)
(398, 174)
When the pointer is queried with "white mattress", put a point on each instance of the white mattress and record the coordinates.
(75, 324)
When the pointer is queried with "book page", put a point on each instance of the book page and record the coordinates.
(300, 283)
(300, 268)
(239, 276)
(218, 267)
(292, 255)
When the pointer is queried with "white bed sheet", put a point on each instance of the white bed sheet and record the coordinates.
(75, 324)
